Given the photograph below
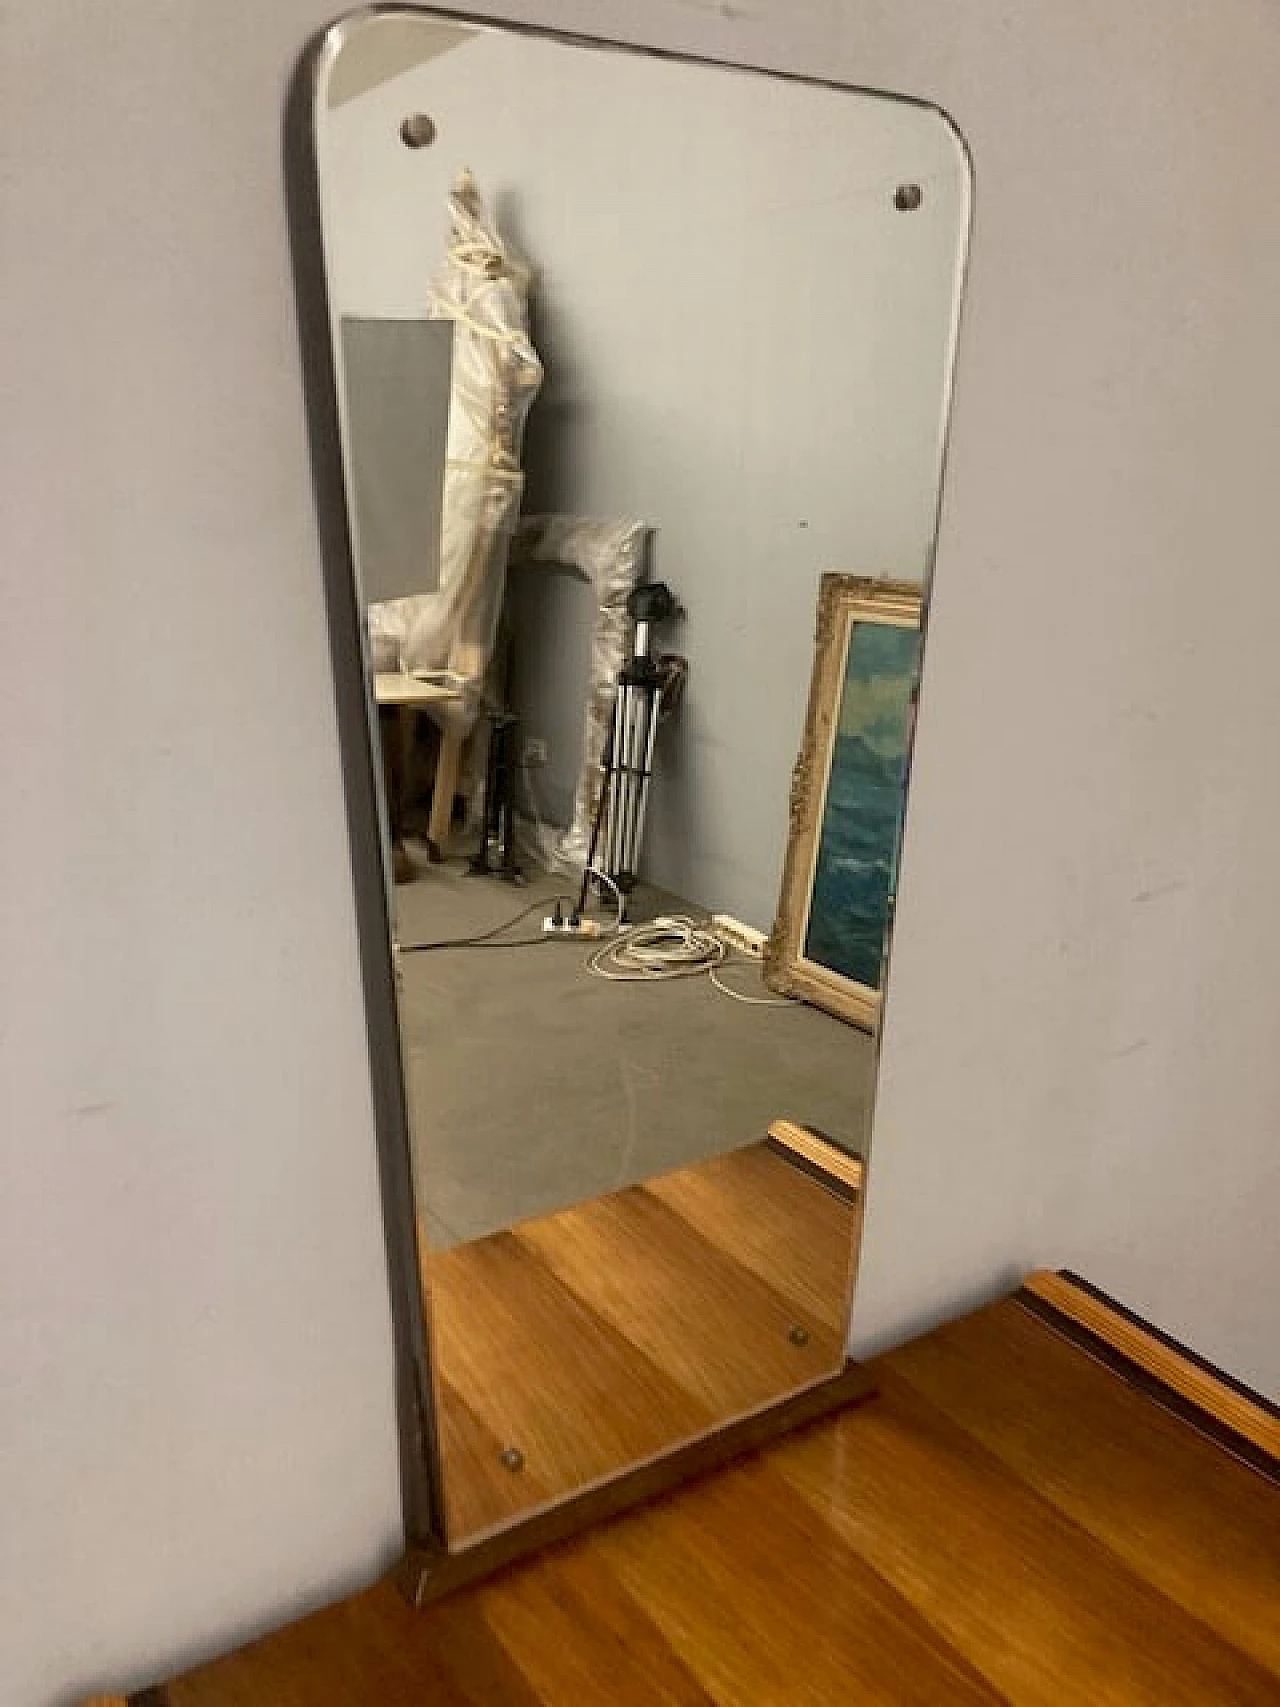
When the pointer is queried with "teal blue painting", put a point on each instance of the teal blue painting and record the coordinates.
(856, 868)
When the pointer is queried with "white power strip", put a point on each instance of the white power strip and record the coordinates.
(583, 929)
(745, 938)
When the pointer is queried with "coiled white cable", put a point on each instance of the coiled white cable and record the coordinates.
(668, 948)
(673, 947)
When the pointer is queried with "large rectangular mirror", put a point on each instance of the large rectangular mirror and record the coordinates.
(642, 371)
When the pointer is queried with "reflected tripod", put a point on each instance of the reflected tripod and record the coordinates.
(626, 766)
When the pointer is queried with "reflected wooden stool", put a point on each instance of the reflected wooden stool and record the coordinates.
(406, 696)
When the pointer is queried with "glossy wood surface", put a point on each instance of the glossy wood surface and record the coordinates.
(748, 1207)
(1142, 1484)
(615, 1331)
(1238, 1410)
(429, 1572)
(1006, 1521)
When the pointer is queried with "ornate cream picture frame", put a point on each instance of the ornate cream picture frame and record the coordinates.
(836, 902)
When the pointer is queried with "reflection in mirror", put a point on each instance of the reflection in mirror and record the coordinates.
(631, 353)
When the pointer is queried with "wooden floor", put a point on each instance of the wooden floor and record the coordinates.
(614, 1331)
(1009, 1520)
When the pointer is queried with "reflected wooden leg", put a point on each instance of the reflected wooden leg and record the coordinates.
(397, 731)
(446, 786)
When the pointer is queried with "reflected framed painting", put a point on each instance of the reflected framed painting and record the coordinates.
(829, 942)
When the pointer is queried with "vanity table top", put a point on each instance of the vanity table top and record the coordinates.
(1045, 1502)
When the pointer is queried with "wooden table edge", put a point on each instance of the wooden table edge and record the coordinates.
(1241, 1421)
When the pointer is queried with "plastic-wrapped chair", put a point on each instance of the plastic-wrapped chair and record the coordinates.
(496, 375)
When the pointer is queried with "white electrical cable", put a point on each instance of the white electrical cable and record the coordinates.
(668, 948)
(671, 947)
(744, 998)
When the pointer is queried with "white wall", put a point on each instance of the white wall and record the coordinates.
(196, 1429)
(197, 1432)
(746, 345)
(1079, 1063)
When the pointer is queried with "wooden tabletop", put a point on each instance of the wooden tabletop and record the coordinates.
(395, 687)
(1021, 1515)
(599, 1336)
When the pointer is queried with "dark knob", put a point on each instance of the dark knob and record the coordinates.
(652, 603)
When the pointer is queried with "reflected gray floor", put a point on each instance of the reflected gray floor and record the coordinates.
(534, 1085)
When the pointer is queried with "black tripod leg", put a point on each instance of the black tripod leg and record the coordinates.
(507, 762)
(606, 764)
(480, 863)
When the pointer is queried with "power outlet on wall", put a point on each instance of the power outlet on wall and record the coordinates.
(534, 751)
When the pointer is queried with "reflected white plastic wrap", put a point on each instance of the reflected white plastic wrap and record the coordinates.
(496, 376)
(611, 556)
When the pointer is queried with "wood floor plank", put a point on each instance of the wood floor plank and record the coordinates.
(1202, 1527)
(773, 1220)
(544, 1374)
(679, 1334)
(457, 1646)
(1008, 1522)
(429, 1572)
(1043, 1609)
(480, 1485)
(577, 1636)
(706, 1321)
(770, 1607)
(370, 1649)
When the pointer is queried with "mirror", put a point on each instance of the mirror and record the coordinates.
(642, 370)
